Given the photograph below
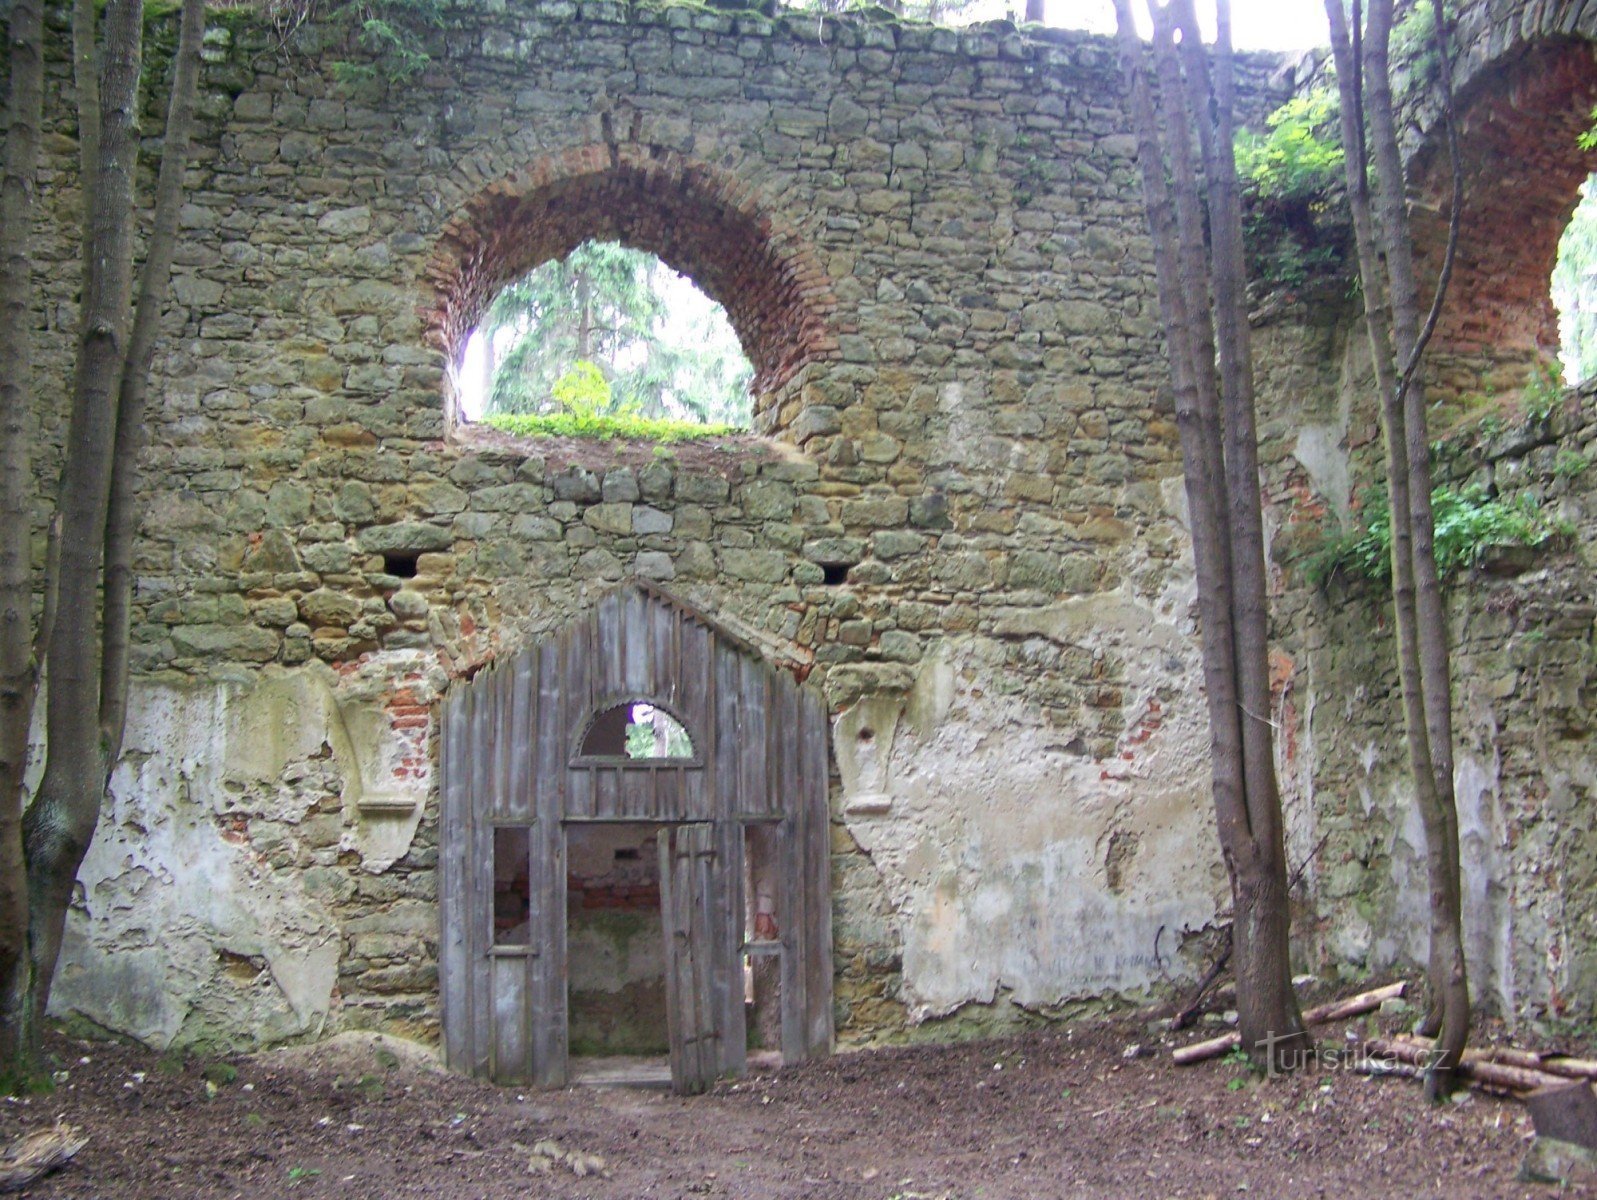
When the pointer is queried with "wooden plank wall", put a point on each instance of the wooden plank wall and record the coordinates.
(511, 754)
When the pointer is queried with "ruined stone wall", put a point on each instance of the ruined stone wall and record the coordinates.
(968, 534)
(1523, 626)
(1525, 645)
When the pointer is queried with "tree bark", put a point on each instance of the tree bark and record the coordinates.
(60, 823)
(1392, 308)
(154, 281)
(19, 675)
(1203, 308)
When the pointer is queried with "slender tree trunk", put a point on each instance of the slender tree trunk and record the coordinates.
(1036, 12)
(19, 676)
(61, 821)
(1392, 308)
(1200, 297)
(584, 317)
(1449, 999)
(123, 511)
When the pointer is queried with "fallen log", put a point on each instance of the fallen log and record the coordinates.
(1562, 1065)
(36, 1154)
(1419, 1052)
(1555, 1064)
(1320, 1014)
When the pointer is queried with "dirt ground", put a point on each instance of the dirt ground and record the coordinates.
(1066, 1112)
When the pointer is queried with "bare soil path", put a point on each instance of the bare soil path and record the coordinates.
(1061, 1113)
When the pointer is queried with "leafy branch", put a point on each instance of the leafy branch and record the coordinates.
(1467, 522)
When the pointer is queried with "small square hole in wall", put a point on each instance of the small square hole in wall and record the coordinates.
(834, 573)
(401, 564)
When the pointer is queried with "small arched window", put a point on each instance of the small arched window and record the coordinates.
(637, 731)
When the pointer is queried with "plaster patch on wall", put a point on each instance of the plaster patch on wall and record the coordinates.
(378, 723)
(1014, 862)
(1403, 932)
(197, 920)
(862, 739)
(174, 896)
(1320, 451)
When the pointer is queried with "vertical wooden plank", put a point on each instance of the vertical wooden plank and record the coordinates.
(509, 975)
(665, 657)
(694, 693)
(519, 801)
(817, 880)
(480, 864)
(728, 726)
(547, 1003)
(547, 1010)
(454, 878)
(636, 646)
(504, 739)
(677, 988)
(724, 888)
(606, 640)
(754, 681)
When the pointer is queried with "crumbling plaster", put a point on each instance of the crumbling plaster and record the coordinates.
(198, 916)
(1015, 862)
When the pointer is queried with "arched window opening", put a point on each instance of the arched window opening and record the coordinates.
(1497, 343)
(1575, 289)
(639, 731)
(607, 333)
(709, 223)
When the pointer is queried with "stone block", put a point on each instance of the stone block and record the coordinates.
(403, 536)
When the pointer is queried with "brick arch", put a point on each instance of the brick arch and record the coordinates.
(1520, 109)
(700, 221)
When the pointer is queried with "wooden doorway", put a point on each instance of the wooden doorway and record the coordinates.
(645, 712)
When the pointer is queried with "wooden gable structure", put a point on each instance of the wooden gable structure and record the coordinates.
(519, 769)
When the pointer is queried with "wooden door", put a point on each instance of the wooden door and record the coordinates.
(692, 904)
(515, 771)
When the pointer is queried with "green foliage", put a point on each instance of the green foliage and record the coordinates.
(1569, 464)
(623, 313)
(1575, 283)
(1587, 139)
(654, 733)
(1466, 520)
(1291, 176)
(1300, 156)
(583, 391)
(1543, 391)
(605, 427)
(383, 38)
(1413, 41)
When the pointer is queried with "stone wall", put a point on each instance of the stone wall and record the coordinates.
(966, 526)
(1523, 627)
(967, 531)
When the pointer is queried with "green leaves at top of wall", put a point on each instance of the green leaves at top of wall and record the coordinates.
(383, 39)
(1291, 175)
(389, 33)
(1467, 521)
(1300, 157)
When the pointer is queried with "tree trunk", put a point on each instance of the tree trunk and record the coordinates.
(1200, 295)
(1382, 233)
(61, 821)
(1036, 12)
(19, 675)
(122, 514)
